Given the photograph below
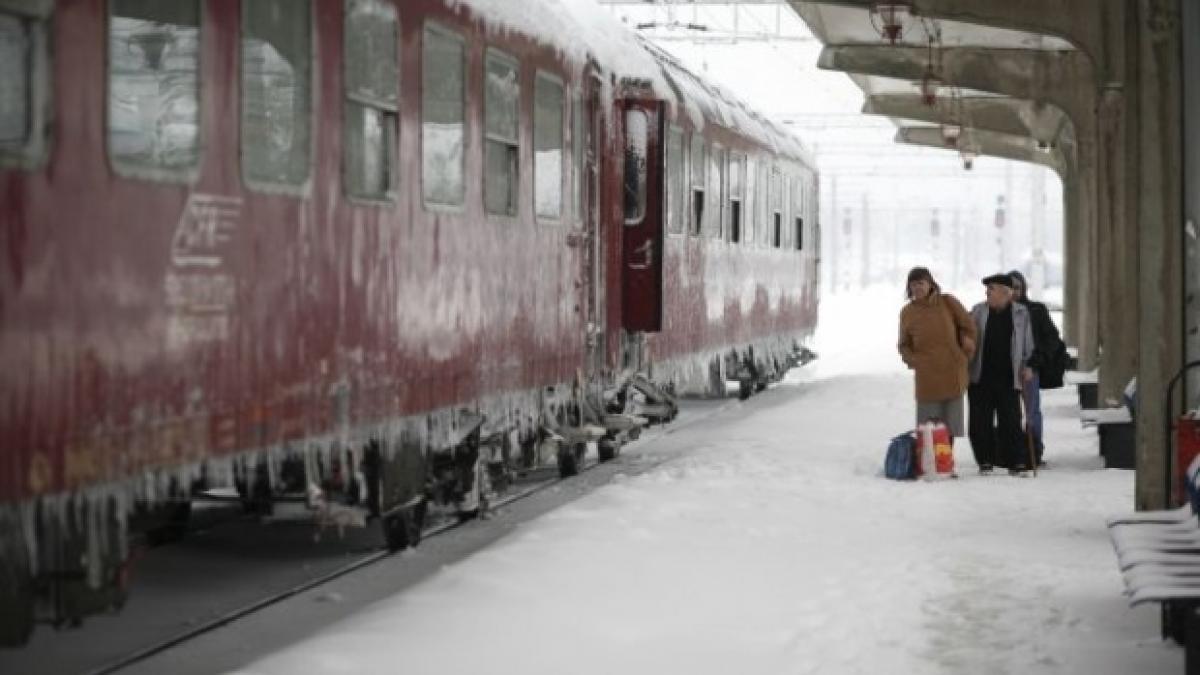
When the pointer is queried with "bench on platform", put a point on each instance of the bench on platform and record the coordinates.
(1158, 553)
(1088, 385)
(1118, 444)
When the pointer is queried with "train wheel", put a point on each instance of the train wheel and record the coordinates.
(396, 531)
(476, 479)
(172, 523)
(17, 599)
(716, 379)
(500, 476)
(568, 461)
(256, 496)
(607, 449)
(402, 529)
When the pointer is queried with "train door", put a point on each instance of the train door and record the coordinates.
(641, 197)
(588, 127)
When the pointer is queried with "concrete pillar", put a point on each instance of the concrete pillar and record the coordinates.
(1117, 237)
(1072, 275)
(1191, 194)
(1159, 235)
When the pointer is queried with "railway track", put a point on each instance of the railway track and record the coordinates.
(232, 571)
(523, 490)
(441, 527)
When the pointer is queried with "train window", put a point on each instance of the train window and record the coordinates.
(737, 182)
(501, 150)
(577, 153)
(781, 211)
(442, 116)
(153, 87)
(548, 147)
(24, 83)
(276, 92)
(798, 213)
(716, 182)
(776, 209)
(372, 74)
(636, 147)
(699, 179)
(676, 188)
(16, 81)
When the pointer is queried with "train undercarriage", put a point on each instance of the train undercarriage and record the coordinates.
(66, 558)
(70, 557)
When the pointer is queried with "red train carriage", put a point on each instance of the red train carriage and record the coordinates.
(742, 242)
(382, 253)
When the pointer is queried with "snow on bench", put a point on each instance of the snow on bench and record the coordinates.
(1158, 553)
(1097, 416)
(1082, 377)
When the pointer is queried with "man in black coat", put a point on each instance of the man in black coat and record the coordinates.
(1044, 362)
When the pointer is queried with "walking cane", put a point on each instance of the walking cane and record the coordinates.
(1028, 431)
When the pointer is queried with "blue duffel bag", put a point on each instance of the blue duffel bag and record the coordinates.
(900, 462)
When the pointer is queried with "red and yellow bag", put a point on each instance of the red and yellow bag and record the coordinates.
(935, 450)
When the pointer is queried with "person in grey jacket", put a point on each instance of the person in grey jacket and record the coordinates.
(998, 371)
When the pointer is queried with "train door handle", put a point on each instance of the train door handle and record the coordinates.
(647, 251)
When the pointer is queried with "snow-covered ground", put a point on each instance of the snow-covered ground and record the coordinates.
(774, 545)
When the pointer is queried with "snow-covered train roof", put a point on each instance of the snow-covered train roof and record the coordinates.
(581, 29)
(721, 107)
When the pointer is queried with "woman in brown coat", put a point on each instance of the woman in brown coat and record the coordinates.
(937, 339)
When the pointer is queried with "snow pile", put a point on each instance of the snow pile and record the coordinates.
(769, 543)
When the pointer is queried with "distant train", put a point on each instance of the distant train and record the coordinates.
(383, 253)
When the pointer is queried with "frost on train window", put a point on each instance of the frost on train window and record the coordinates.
(798, 213)
(776, 221)
(634, 182)
(442, 116)
(676, 189)
(276, 91)
(372, 75)
(713, 224)
(737, 182)
(548, 146)
(153, 84)
(501, 152)
(16, 81)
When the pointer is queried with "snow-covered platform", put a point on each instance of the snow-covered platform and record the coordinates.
(767, 541)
